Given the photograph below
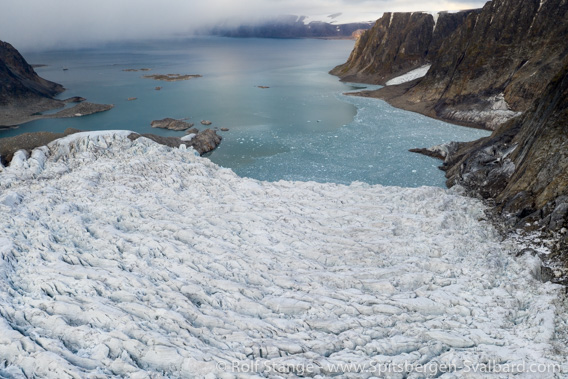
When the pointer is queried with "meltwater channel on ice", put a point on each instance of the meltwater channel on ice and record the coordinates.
(131, 259)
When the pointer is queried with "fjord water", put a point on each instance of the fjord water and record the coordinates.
(300, 128)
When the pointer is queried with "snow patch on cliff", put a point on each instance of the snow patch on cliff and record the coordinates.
(410, 76)
(129, 258)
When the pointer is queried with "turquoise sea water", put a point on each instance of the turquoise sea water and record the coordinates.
(301, 128)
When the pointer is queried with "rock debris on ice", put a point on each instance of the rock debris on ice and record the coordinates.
(129, 258)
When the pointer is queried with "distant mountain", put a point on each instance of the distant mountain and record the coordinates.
(290, 27)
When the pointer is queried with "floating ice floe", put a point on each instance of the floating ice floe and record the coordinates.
(129, 258)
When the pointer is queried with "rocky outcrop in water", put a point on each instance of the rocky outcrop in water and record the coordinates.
(396, 44)
(171, 77)
(493, 66)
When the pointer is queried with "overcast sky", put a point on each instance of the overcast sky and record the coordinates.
(33, 24)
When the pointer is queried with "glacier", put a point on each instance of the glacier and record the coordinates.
(131, 259)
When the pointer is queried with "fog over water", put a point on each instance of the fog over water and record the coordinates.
(39, 24)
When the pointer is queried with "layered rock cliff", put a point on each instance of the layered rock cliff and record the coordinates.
(497, 63)
(396, 44)
(20, 86)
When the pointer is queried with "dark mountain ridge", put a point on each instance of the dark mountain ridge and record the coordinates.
(19, 84)
(499, 60)
(24, 95)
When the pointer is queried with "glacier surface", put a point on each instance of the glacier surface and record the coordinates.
(121, 258)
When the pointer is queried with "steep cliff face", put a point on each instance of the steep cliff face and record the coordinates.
(523, 165)
(496, 63)
(19, 83)
(396, 44)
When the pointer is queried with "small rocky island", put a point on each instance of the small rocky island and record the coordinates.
(171, 77)
(24, 95)
(171, 124)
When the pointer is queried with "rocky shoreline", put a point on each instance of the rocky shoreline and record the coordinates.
(28, 141)
(393, 95)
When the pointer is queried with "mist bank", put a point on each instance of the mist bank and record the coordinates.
(290, 26)
(40, 25)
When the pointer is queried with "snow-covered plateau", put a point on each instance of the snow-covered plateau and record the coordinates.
(128, 258)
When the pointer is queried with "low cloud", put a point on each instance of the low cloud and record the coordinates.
(41, 24)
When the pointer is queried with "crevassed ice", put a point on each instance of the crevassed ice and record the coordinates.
(133, 259)
(410, 76)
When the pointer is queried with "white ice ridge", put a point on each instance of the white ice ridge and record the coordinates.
(420, 72)
(133, 259)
